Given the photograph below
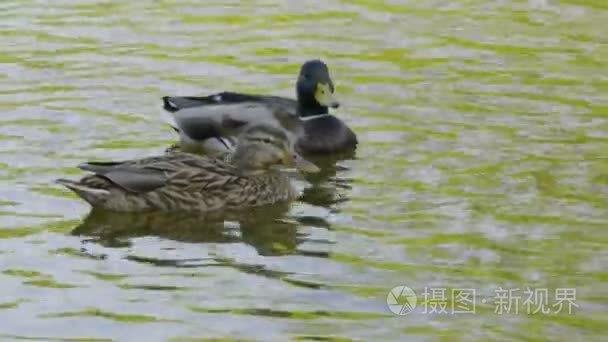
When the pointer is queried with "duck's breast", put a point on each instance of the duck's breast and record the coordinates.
(326, 134)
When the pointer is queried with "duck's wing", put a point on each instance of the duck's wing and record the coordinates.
(176, 103)
(137, 180)
(228, 119)
(144, 175)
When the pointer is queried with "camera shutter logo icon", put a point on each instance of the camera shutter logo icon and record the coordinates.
(401, 300)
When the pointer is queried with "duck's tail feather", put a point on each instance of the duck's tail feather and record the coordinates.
(168, 105)
(91, 195)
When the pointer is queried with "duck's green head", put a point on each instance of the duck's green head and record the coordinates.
(261, 147)
(315, 89)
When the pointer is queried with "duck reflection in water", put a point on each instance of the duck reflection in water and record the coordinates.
(327, 188)
(269, 229)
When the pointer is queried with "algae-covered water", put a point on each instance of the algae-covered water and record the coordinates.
(482, 166)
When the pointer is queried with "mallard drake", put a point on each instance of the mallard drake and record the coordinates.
(210, 121)
(184, 181)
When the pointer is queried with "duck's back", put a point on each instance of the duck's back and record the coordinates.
(177, 182)
(326, 134)
(176, 103)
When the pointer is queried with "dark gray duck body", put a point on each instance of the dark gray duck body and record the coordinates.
(199, 118)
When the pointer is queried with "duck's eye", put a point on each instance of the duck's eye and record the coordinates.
(267, 141)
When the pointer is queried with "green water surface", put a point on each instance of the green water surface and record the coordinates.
(483, 165)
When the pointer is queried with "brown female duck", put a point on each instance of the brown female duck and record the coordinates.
(183, 181)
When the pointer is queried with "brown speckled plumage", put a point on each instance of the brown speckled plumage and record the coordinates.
(183, 181)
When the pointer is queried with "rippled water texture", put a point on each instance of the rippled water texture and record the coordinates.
(482, 165)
